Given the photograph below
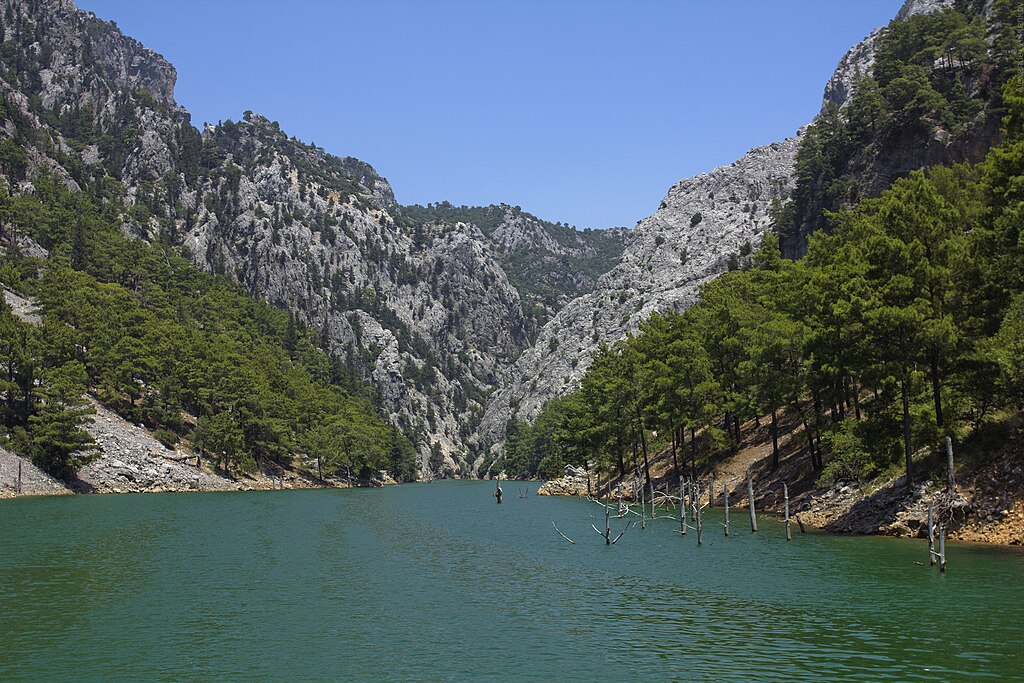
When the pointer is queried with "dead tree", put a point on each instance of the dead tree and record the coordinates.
(750, 500)
(931, 536)
(700, 517)
(942, 549)
(607, 533)
(950, 473)
(941, 555)
(785, 494)
(726, 524)
(682, 507)
(561, 534)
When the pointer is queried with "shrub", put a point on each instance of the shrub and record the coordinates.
(166, 437)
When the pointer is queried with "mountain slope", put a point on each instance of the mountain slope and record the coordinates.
(420, 305)
(703, 224)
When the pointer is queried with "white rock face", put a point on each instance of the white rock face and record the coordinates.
(433, 313)
(667, 257)
(860, 58)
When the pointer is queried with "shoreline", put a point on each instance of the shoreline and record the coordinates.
(889, 510)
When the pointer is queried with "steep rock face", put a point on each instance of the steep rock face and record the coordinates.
(106, 100)
(670, 254)
(548, 263)
(701, 223)
(434, 309)
(422, 310)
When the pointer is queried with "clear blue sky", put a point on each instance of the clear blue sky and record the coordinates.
(582, 111)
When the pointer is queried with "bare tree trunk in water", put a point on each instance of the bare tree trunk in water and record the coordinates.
(726, 525)
(682, 508)
(750, 501)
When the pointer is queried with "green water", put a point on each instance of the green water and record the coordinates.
(434, 582)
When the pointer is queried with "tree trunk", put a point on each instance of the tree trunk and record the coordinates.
(856, 401)
(726, 525)
(785, 493)
(693, 448)
(683, 487)
(750, 501)
(675, 459)
(647, 465)
(622, 462)
(950, 471)
(775, 438)
(937, 389)
(700, 518)
(931, 537)
(907, 452)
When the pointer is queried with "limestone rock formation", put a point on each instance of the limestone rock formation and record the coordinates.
(689, 240)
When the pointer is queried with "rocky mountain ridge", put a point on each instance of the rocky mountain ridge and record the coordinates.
(702, 225)
(438, 306)
(424, 307)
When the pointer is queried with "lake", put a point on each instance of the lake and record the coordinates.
(435, 582)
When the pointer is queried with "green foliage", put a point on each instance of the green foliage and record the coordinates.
(934, 75)
(904, 326)
(166, 437)
(58, 444)
(153, 337)
(850, 458)
(1008, 348)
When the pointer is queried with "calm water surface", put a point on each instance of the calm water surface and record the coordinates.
(434, 582)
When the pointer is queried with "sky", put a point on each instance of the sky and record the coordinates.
(579, 111)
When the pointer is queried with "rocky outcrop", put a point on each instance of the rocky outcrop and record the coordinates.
(860, 58)
(701, 223)
(438, 312)
(575, 483)
(131, 460)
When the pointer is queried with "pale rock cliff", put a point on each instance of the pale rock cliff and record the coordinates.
(667, 257)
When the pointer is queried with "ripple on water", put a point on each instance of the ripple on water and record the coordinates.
(436, 582)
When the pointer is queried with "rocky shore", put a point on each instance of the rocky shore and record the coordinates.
(986, 507)
(133, 461)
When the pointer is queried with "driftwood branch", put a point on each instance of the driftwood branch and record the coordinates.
(624, 530)
(563, 535)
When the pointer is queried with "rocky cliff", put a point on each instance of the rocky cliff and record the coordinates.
(462, 317)
(701, 226)
(426, 305)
